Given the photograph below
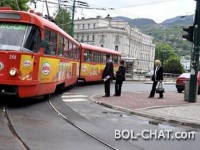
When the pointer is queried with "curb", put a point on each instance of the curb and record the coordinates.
(151, 116)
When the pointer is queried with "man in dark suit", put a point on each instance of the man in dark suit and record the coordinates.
(120, 77)
(107, 75)
(157, 77)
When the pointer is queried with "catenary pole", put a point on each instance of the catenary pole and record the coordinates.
(195, 59)
(72, 22)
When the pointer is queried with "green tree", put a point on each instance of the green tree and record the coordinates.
(164, 52)
(15, 4)
(63, 19)
(169, 58)
(173, 65)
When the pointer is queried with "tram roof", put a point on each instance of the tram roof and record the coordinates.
(100, 49)
(33, 18)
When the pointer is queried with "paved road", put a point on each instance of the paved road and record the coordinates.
(112, 119)
(41, 128)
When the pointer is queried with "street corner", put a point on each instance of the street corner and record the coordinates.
(186, 114)
(140, 100)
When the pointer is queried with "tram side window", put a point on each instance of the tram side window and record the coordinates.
(60, 46)
(76, 52)
(66, 48)
(96, 57)
(50, 37)
(103, 58)
(87, 55)
(115, 59)
(32, 39)
(71, 55)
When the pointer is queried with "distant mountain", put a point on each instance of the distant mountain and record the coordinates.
(170, 31)
(137, 22)
(141, 22)
(179, 20)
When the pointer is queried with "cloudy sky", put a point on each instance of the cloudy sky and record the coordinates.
(158, 10)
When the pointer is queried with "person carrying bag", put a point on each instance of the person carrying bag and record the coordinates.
(157, 78)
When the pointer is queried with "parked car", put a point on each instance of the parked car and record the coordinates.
(180, 82)
(149, 74)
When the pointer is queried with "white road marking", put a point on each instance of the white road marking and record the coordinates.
(71, 93)
(75, 100)
(71, 96)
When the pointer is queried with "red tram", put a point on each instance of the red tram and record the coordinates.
(36, 56)
(93, 60)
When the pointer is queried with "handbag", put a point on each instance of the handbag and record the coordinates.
(160, 88)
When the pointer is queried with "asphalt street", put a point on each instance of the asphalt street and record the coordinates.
(41, 128)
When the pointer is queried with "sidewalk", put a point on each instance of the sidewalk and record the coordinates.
(172, 108)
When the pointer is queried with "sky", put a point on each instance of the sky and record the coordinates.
(158, 10)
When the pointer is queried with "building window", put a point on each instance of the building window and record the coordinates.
(102, 37)
(82, 38)
(116, 48)
(94, 25)
(78, 26)
(117, 38)
(93, 38)
(83, 26)
(88, 26)
(88, 37)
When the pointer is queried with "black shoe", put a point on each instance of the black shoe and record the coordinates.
(116, 95)
(160, 97)
(150, 96)
(106, 96)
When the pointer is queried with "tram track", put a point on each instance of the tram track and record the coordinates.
(12, 129)
(80, 128)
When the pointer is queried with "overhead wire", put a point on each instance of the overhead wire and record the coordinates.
(116, 10)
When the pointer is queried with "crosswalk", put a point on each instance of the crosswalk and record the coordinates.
(74, 97)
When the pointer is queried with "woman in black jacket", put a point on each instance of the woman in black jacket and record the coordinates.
(157, 77)
(120, 77)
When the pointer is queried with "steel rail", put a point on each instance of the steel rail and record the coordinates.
(81, 129)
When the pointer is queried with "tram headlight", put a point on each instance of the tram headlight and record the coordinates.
(13, 71)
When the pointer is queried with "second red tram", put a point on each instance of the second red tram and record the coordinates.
(93, 61)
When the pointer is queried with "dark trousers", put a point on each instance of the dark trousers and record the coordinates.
(153, 90)
(107, 87)
(118, 87)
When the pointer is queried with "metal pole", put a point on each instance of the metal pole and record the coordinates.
(17, 5)
(195, 59)
(47, 9)
(59, 4)
(72, 23)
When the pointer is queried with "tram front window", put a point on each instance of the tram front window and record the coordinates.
(19, 37)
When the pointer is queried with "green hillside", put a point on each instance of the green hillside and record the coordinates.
(170, 31)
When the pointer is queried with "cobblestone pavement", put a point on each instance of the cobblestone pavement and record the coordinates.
(172, 107)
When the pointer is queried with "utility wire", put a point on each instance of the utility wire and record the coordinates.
(143, 4)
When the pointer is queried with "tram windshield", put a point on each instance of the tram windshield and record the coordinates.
(19, 37)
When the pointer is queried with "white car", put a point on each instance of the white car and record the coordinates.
(149, 74)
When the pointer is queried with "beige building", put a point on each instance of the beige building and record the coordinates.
(118, 35)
